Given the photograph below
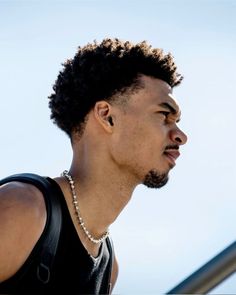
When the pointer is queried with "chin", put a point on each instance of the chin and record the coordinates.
(155, 179)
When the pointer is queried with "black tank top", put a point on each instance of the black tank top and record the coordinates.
(74, 269)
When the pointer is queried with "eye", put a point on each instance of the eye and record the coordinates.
(166, 114)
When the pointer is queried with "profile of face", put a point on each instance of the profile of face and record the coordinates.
(147, 139)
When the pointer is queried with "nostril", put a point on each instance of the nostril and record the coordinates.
(178, 139)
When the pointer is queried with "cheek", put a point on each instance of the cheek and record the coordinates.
(139, 139)
(150, 136)
(144, 141)
(128, 142)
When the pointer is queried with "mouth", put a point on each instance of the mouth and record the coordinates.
(172, 156)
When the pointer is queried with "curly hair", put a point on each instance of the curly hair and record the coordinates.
(99, 72)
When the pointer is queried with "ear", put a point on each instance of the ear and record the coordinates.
(103, 114)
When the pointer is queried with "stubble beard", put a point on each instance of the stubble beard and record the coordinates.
(154, 179)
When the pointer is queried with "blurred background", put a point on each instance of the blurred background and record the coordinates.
(163, 235)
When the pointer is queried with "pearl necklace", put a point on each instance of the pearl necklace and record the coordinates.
(77, 211)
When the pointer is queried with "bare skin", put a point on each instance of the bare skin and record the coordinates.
(109, 161)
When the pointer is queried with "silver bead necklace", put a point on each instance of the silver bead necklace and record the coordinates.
(77, 211)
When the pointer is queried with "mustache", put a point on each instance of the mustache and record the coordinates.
(172, 147)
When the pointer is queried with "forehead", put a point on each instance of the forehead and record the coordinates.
(156, 92)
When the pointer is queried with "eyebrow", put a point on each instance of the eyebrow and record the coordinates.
(169, 107)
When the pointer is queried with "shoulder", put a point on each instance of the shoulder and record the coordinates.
(22, 220)
(21, 201)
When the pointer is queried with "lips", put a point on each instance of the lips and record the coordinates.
(172, 155)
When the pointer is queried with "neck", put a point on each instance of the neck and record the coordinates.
(102, 192)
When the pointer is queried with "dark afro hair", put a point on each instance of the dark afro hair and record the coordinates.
(98, 72)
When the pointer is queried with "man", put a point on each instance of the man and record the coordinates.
(115, 102)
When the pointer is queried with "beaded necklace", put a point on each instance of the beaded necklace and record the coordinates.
(77, 211)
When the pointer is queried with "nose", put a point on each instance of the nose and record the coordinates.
(178, 136)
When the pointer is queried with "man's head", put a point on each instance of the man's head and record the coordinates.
(128, 89)
(98, 72)
(145, 138)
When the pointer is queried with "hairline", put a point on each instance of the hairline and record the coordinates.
(119, 98)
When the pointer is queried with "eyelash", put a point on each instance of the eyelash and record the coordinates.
(166, 114)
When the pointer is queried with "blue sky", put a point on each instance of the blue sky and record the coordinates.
(162, 235)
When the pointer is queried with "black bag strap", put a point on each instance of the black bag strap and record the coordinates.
(53, 222)
(111, 261)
